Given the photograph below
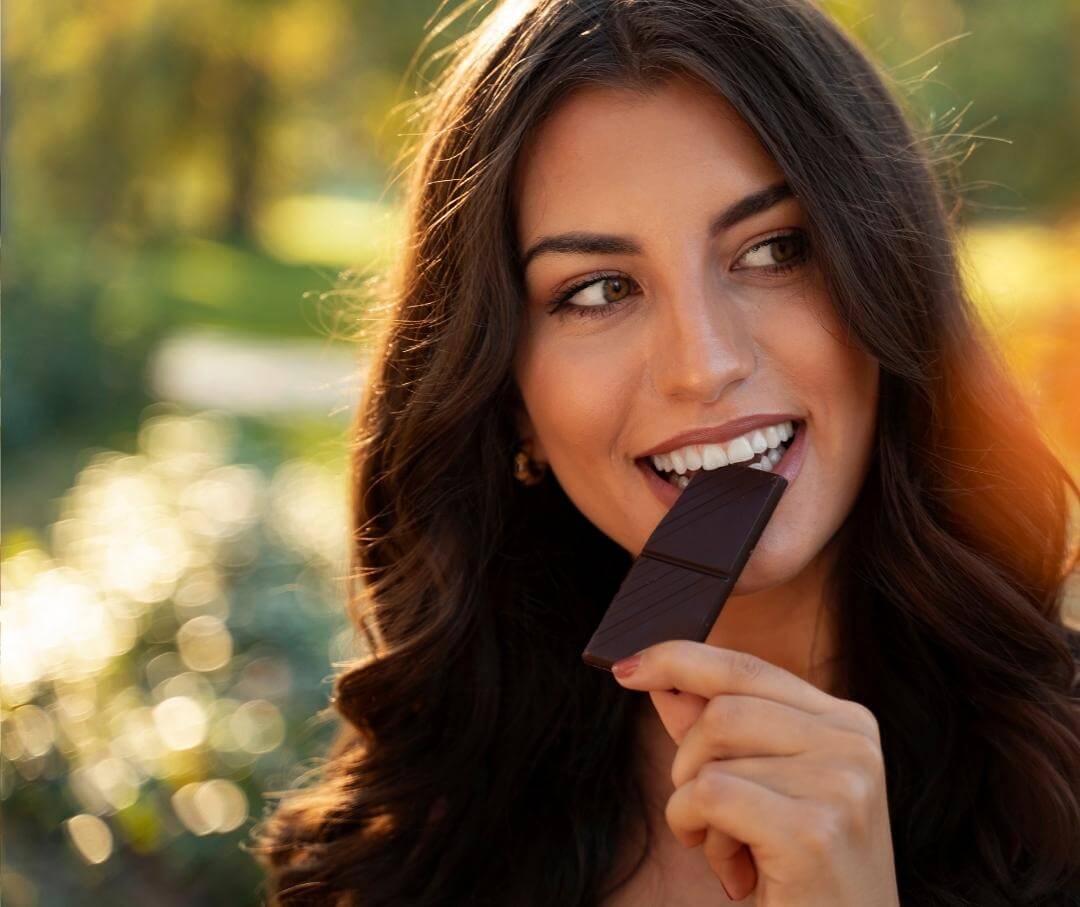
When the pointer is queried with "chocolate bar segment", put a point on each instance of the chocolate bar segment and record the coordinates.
(716, 516)
(677, 586)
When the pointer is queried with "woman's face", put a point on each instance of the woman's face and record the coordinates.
(692, 322)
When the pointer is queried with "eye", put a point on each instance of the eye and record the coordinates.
(594, 296)
(603, 294)
(787, 251)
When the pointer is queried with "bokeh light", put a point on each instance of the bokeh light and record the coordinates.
(145, 666)
(204, 643)
(91, 837)
(209, 807)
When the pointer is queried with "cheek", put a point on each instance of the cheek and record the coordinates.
(837, 382)
(575, 393)
(838, 385)
(845, 410)
(578, 392)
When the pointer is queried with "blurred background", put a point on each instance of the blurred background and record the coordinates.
(190, 185)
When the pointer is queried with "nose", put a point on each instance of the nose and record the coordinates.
(702, 341)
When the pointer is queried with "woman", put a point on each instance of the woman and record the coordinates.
(637, 227)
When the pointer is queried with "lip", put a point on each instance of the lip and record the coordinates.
(718, 434)
(788, 467)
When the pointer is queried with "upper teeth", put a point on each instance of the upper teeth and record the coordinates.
(713, 456)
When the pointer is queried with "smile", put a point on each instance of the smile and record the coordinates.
(761, 448)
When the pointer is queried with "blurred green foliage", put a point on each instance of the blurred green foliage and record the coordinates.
(171, 571)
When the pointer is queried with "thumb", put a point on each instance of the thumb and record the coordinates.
(677, 710)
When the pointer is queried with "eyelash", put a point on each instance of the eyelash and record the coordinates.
(561, 303)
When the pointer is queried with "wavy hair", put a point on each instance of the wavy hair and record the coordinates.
(479, 761)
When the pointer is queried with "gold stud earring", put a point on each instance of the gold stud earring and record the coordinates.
(526, 469)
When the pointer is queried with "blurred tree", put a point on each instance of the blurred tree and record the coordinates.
(1015, 64)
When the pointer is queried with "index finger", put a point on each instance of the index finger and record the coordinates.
(708, 671)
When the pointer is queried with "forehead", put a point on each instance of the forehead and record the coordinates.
(662, 149)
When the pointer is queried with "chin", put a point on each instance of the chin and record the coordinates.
(771, 563)
(759, 577)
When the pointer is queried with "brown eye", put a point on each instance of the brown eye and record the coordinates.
(777, 254)
(599, 295)
(615, 288)
(784, 248)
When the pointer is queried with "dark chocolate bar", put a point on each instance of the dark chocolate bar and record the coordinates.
(678, 584)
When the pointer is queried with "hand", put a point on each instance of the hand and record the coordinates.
(782, 783)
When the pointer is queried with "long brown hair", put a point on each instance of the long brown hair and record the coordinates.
(479, 760)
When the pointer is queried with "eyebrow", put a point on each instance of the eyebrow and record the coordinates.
(578, 243)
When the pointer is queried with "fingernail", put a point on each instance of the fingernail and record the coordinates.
(626, 666)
